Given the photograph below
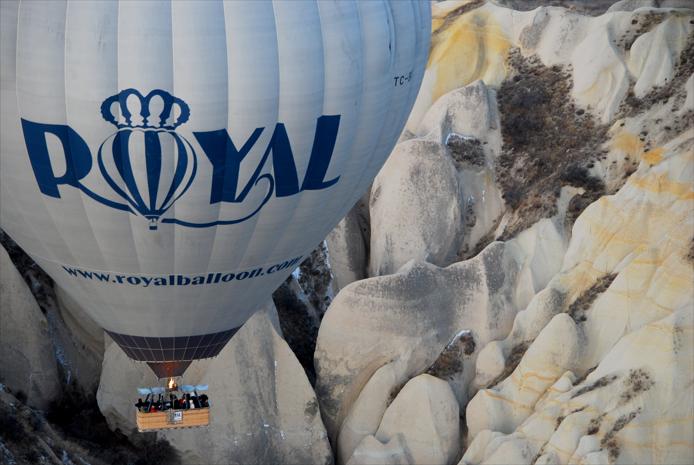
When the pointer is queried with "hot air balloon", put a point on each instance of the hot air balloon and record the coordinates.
(169, 163)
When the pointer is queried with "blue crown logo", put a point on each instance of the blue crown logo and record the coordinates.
(142, 117)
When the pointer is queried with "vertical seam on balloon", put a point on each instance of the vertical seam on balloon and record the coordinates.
(351, 142)
(421, 53)
(176, 229)
(67, 141)
(279, 104)
(81, 193)
(16, 93)
(41, 196)
(362, 41)
(415, 62)
(125, 295)
(133, 217)
(243, 257)
(304, 198)
(360, 179)
(226, 124)
(116, 91)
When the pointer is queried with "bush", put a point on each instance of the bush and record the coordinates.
(578, 176)
(155, 451)
(21, 396)
(77, 414)
(36, 421)
(10, 427)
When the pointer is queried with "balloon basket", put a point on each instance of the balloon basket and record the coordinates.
(172, 419)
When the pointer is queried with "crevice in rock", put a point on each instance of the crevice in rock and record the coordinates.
(577, 310)
(599, 383)
(609, 441)
(450, 361)
(512, 360)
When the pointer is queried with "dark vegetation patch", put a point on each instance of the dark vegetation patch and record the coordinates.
(450, 361)
(394, 392)
(465, 150)
(609, 441)
(315, 278)
(577, 310)
(673, 89)
(594, 425)
(299, 326)
(599, 383)
(78, 416)
(300, 315)
(18, 436)
(311, 408)
(690, 254)
(547, 142)
(512, 361)
(637, 381)
(75, 429)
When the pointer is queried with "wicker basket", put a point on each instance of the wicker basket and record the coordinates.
(172, 419)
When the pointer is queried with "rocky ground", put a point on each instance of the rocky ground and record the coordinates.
(517, 286)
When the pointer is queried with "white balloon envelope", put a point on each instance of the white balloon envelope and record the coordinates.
(169, 163)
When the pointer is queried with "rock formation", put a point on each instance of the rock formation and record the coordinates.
(546, 177)
(27, 361)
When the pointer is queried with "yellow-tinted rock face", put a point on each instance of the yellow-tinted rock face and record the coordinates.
(465, 48)
(471, 40)
(636, 333)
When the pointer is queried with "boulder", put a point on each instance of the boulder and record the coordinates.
(365, 416)
(263, 407)
(415, 208)
(380, 332)
(421, 425)
(348, 246)
(425, 416)
(436, 197)
(371, 451)
(27, 357)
